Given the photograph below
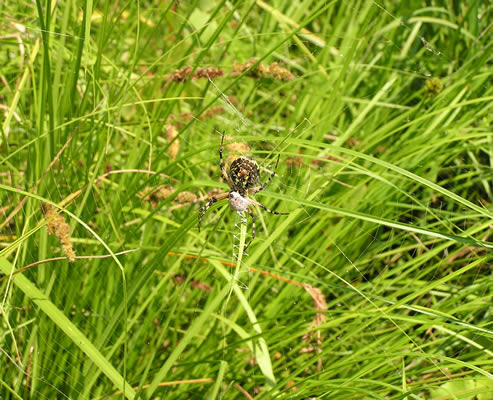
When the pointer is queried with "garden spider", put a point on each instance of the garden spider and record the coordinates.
(242, 178)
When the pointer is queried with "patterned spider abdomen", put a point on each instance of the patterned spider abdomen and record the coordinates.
(244, 173)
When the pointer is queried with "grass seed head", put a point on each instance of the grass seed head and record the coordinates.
(56, 224)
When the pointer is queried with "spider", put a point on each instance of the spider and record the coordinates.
(242, 178)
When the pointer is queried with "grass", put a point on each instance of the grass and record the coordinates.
(376, 285)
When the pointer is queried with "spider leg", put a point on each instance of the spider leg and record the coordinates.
(262, 187)
(212, 200)
(221, 163)
(253, 229)
(266, 209)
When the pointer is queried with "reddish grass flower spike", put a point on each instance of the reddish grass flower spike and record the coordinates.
(56, 224)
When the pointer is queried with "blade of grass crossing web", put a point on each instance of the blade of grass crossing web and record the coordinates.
(219, 380)
(260, 351)
(191, 332)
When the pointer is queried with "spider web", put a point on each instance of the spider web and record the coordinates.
(340, 279)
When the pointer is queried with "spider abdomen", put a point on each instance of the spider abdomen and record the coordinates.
(244, 174)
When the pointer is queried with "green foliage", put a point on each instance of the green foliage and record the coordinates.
(376, 285)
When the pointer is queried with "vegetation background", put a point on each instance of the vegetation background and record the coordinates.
(377, 284)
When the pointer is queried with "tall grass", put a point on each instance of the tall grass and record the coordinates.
(376, 285)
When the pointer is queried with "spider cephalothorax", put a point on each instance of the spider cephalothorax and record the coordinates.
(242, 178)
